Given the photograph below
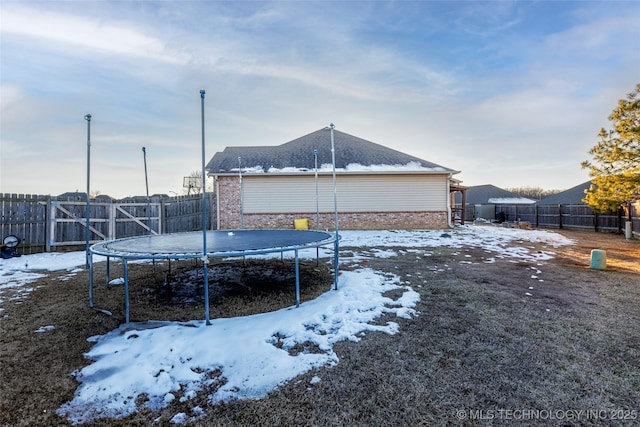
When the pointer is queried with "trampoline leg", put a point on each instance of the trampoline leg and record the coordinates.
(336, 264)
(297, 281)
(205, 263)
(90, 280)
(126, 290)
(108, 269)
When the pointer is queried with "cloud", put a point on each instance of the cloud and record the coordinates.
(59, 30)
(477, 19)
(598, 39)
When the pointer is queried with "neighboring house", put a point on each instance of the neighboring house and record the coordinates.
(572, 196)
(572, 212)
(490, 194)
(82, 197)
(481, 201)
(376, 187)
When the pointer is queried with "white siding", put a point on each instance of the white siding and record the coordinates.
(358, 193)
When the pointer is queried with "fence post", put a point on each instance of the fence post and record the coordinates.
(47, 225)
(596, 218)
(560, 215)
(536, 214)
(51, 238)
(619, 219)
(112, 221)
(161, 216)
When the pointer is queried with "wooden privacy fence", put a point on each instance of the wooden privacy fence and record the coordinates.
(46, 223)
(569, 216)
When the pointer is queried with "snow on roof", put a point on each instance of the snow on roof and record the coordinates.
(351, 167)
(511, 200)
(409, 167)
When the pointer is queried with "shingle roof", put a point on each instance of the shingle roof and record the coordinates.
(480, 194)
(572, 196)
(298, 154)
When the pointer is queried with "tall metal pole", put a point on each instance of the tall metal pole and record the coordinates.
(87, 117)
(146, 183)
(335, 207)
(241, 193)
(205, 259)
(315, 157)
(315, 162)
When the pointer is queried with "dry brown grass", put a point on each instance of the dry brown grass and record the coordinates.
(479, 344)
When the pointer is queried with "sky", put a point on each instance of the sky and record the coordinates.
(255, 358)
(509, 93)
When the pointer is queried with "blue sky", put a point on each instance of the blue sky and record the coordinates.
(509, 93)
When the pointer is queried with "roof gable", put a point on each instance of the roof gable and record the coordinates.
(572, 196)
(352, 153)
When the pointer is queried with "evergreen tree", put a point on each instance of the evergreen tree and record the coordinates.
(615, 169)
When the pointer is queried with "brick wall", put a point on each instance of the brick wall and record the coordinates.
(351, 221)
(229, 202)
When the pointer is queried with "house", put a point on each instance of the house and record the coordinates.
(490, 194)
(572, 196)
(481, 201)
(376, 187)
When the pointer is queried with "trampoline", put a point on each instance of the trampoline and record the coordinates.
(207, 244)
(219, 244)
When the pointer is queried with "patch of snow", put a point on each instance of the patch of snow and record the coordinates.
(180, 418)
(251, 353)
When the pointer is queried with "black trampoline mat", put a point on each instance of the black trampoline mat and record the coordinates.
(220, 243)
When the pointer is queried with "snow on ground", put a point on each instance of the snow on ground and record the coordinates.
(251, 353)
(250, 356)
(17, 273)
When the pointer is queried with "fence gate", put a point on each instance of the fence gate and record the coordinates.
(107, 221)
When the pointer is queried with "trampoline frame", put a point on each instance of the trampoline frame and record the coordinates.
(103, 249)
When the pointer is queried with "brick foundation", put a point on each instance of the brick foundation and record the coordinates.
(346, 221)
